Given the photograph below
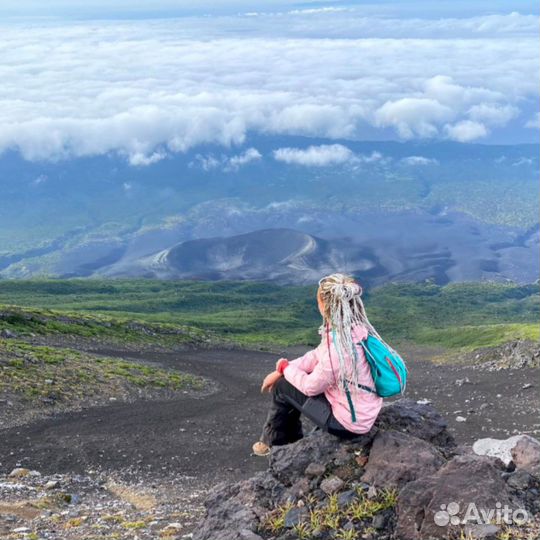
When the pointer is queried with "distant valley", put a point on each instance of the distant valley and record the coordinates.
(445, 212)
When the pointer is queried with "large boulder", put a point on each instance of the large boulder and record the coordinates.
(426, 506)
(289, 462)
(522, 450)
(526, 454)
(233, 511)
(405, 480)
(397, 458)
(498, 448)
(420, 420)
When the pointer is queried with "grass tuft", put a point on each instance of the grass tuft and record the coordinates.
(63, 375)
(332, 517)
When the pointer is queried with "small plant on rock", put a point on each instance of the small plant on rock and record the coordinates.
(275, 521)
(349, 534)
(302, 530)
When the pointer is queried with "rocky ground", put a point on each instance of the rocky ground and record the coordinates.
(96, 506)
(173, 452)
(405, 480)
(513, 355)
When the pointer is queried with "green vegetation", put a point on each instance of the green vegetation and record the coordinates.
(143, 313)
(332, 516)
(456, 316)
(59, 375)
(26, 321)
(249, 313)
(488, 201)
(464, 316)
(469, 338)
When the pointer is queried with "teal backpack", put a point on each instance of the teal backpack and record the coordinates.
(388, 369)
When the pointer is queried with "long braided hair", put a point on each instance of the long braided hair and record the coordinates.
(343, 309)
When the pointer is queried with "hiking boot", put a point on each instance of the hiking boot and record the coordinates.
(261, 449)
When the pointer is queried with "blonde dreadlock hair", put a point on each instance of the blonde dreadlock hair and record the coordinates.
(343, 310)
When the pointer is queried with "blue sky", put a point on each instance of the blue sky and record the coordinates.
(178, 8)
(151, 78)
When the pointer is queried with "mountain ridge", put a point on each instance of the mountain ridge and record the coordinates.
(290, 256)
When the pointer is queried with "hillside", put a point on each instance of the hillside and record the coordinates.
(139, 383)
(97, 330)
(457, 316)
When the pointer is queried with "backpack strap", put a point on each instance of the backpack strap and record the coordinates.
(345, 383)
(350, 402)
(371, 362)
(363, 386)
(367, 388)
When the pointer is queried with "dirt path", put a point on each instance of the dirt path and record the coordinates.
(209, 438)
(204, 435)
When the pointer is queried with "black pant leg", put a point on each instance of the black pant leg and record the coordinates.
(335, 428)
(283, 425)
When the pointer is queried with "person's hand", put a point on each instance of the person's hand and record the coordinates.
(279, 362)
(270, 380)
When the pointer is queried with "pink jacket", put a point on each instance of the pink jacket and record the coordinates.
(314, 374)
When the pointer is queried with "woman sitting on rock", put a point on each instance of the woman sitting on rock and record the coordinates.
(332, 384)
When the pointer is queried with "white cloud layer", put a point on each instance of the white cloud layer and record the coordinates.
(374, 157)
(419, 160)
(226, 163)
(146, 89)
(251, 154)
(140, 159)
(466, 131)
(315, 156)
